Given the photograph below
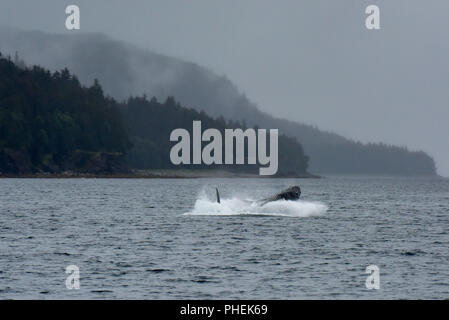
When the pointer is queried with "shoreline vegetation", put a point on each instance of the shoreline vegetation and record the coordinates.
(157, 174)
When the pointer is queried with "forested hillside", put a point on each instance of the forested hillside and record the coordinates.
(125, 70)
(149, 124)
(49, 122)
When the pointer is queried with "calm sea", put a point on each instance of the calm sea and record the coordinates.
(169, 239)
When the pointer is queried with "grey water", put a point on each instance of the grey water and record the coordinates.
(168, 239)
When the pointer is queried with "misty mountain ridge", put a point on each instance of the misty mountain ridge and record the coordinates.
(125, 70)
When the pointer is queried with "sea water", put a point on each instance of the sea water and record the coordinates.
(170, 239)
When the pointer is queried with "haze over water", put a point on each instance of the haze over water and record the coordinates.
(166, 239)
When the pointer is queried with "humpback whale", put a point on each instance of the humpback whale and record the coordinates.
(291, 193)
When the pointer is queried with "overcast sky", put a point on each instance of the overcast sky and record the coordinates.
(312, 61)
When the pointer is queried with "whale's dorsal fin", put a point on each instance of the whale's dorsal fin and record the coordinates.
(218, 195)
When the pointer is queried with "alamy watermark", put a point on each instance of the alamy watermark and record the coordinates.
(373, 279)
(73, 280)
(372, 21)
(72, 22)
(212, 152)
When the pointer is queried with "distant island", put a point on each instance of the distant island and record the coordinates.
(125, 70)
(50, 123)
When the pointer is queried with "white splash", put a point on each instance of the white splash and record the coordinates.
(235, 206)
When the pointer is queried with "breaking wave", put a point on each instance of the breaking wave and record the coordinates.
(235, 206)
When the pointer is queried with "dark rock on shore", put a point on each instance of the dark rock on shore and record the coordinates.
(15, 162)
(96, 162)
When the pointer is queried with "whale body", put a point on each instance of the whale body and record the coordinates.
(291, 193)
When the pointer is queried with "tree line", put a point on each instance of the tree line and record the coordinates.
(49, 122)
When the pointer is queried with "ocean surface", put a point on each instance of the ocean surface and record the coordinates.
(169, 239)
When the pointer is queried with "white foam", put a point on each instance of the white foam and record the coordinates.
(235, 206)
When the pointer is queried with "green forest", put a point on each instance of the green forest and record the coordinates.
(50, 123)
